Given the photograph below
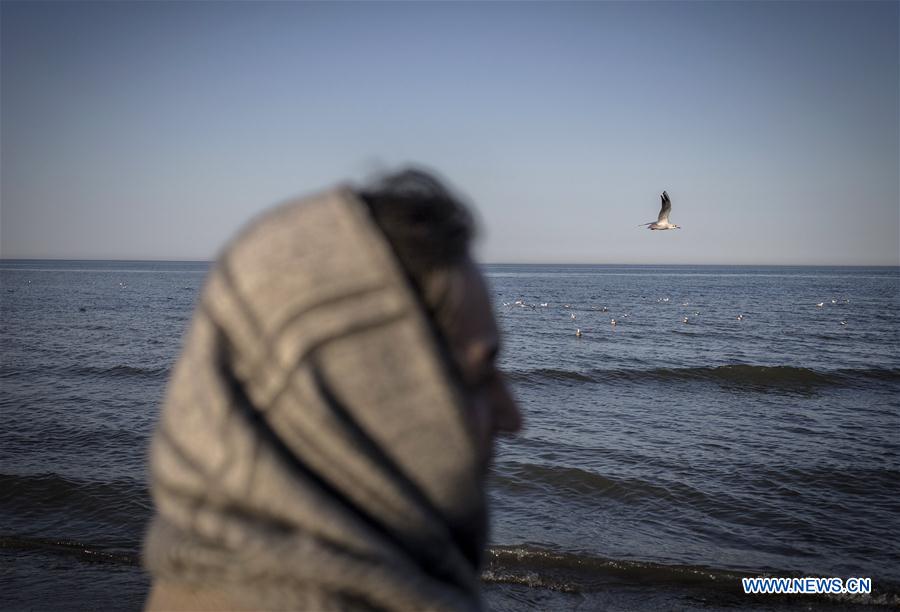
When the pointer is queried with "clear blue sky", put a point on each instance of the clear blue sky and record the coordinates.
(154, 130)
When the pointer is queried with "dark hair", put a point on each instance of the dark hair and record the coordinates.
(427, 226)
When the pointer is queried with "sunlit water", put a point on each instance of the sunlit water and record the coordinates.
(659, 455)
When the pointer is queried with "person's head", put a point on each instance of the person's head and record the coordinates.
(430, 231)
(314, 415)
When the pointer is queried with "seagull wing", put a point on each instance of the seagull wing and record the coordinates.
(665, 209)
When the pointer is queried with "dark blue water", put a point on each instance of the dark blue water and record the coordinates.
(661, 458)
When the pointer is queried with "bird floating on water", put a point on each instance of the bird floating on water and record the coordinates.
(578, 332)
(662, 223)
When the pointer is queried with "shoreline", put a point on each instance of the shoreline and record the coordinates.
(60, 574)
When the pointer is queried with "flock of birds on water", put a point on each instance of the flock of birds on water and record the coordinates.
(662, 223)
(613, 322)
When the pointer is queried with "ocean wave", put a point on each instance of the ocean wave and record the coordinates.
(122, 371)
(548, 375)
(49, 502)
(86, 552)
(754, 376)
(578, 482)
(573, 572)
(115, 371)
(32, 488)
(842, 489)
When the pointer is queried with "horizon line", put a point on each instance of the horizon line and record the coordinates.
(491, 263)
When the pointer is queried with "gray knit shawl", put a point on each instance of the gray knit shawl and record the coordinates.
(313, 451)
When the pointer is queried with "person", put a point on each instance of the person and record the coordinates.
(328, 426)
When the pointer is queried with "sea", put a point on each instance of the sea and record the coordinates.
(685, 427)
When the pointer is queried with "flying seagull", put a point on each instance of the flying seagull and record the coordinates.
(663, 222)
